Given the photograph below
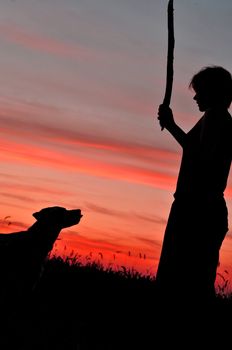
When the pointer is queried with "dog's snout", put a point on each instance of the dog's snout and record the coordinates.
(79, 212)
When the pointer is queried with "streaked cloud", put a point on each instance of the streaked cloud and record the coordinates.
(150, 242)
(33, 41)
(40, 156)
(132, 215)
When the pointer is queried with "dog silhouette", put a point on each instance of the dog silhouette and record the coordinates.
(23, 254)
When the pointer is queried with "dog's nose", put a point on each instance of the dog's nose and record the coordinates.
(79, 212)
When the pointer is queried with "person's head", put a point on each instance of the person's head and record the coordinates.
(213, 88)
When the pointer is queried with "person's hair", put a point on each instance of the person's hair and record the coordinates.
(216, 81)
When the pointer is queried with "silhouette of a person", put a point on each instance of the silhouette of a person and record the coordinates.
(198, 219)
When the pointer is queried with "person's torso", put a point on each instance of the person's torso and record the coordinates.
(206, 157)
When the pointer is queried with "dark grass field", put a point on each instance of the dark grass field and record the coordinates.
(83, 307)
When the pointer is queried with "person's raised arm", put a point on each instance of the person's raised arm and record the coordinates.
(167, 121)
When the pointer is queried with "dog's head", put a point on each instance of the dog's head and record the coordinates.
(59, 215)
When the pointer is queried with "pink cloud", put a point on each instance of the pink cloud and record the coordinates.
(33, 41)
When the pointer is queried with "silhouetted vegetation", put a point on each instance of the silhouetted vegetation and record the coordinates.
(87, 306)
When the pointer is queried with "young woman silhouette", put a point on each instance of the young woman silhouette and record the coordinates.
(198, 219)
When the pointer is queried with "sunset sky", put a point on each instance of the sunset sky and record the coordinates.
(81, 82)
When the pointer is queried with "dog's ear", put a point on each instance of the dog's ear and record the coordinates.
(41, 214)
(37, 215)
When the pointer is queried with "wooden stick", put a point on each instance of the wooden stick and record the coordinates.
(170, 56)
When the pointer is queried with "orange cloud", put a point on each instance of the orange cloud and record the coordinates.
(228, 192)
(12, 151)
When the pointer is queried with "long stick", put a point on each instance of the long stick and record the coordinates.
(170, 55)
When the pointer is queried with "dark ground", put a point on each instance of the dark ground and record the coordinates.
(79, 307)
